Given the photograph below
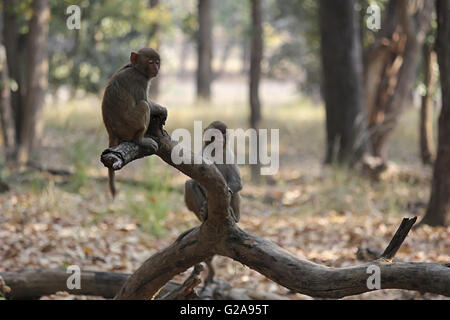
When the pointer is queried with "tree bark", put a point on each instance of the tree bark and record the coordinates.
(34, 283)
(342, 81)
(14, 45)
(204, 47)
(438, 211)
(6, 112)
(255, 78)
(220, 235)
(391, 66)
(37, 79)
(427, 148)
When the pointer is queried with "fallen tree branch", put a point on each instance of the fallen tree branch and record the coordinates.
(67, 174)
(220, 235)
(34, 283)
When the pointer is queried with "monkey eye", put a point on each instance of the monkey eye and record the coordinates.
(154, 62)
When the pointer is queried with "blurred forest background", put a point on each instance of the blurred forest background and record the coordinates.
(357, 108)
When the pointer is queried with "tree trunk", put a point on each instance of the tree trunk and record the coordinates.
(438, 211)
(342, 81)
(204, 47)
(255, 77)
(37, 78)
(155, 43)
(427, 149)
(391, 66)
(14, 45)
(6, 114)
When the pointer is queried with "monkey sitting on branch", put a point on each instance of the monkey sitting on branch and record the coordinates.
(195, 194)
(126, 108)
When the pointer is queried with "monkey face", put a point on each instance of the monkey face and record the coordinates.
(147, 61)
(153, 64)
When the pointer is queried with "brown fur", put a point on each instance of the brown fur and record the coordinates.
(126, 108)
(195, 194)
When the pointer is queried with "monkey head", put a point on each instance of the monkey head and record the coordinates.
(219, 125)
(147, 61)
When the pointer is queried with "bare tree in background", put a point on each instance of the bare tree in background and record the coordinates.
(204, 47)
(255, 75)
(427, 147)
(342, 81)
(37, 78)
(27, 63)
(391, 65)
(438, 211)
(155, 43)
(15, 44)
(6, 112)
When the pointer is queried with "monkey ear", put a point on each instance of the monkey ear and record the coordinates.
(134, 57)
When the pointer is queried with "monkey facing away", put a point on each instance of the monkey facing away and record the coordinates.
(195, 194)
(126, 108)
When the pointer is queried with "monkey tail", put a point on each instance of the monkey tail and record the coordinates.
(112, 186)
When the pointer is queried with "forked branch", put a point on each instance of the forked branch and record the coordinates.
(220, 235)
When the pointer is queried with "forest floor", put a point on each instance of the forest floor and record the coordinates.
(323, 214)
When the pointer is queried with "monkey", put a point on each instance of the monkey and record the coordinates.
(195, 193)
(126, 109)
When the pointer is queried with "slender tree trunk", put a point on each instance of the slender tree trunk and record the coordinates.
(438, 211)
(14, 54)
(255, 76)
(391, 66)
(427, 149)
(204, 47)
(6, 114)
(37, 78)
(342, 81)
(155, 42)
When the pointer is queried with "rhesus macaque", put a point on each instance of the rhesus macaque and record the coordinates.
(126, 108)
(195, 194)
